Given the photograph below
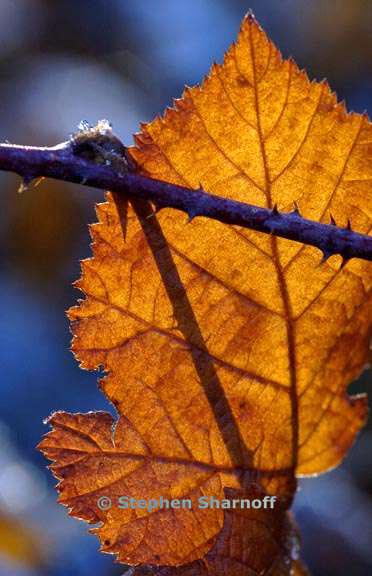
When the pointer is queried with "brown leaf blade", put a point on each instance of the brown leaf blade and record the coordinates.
(251, 542)
(248, 539)
(227, 353)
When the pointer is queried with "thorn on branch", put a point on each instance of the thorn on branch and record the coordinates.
(82, 163)
(190, 216)
(156, 210)
(23, 187)
(326, 254)
(333, 221)
(275, 210)
(296, 209)
(25, 183)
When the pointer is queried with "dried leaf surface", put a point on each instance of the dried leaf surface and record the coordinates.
(251, 542)
(227, 352)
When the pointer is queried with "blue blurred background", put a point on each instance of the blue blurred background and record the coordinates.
(67, 60)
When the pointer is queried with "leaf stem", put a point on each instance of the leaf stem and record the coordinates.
(63, 163)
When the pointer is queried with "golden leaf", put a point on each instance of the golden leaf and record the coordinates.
(227, 352)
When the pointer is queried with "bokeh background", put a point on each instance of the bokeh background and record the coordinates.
(66, 60)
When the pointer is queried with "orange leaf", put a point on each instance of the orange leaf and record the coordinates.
(227, 352)
(251, 542)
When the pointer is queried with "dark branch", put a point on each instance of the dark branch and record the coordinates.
(64, 163)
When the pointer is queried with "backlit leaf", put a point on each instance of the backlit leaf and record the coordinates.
(227, 352)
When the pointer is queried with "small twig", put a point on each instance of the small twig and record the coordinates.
(63, 162)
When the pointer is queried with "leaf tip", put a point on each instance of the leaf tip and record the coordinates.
(250, 17)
